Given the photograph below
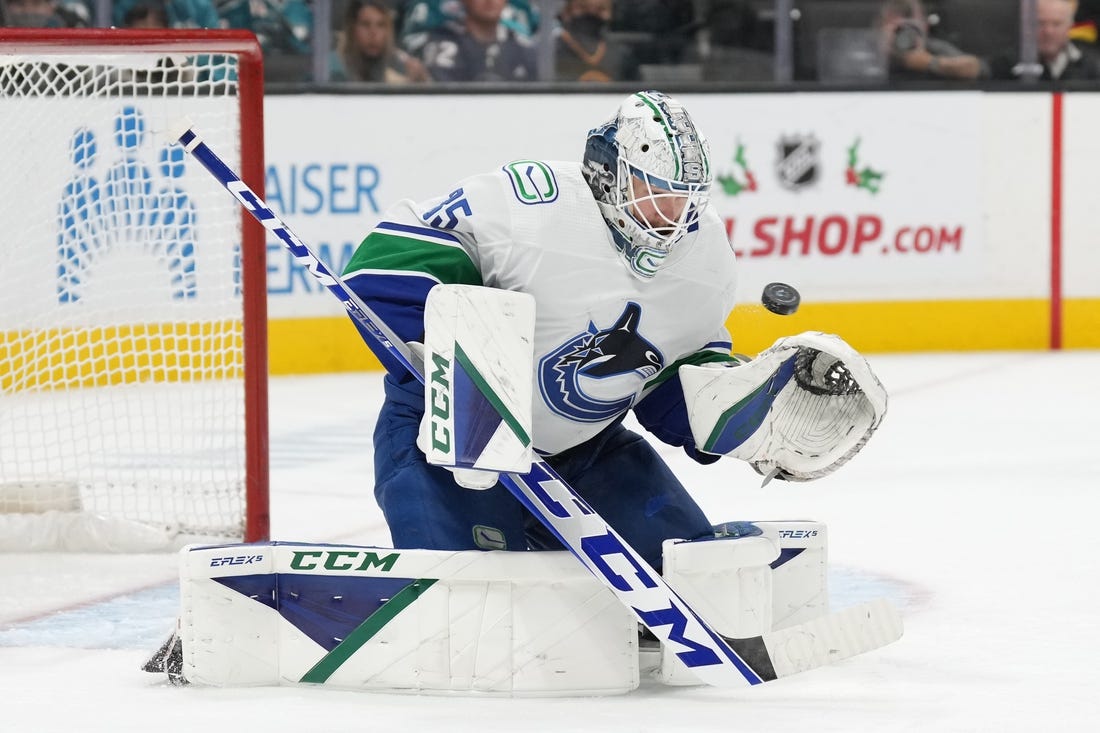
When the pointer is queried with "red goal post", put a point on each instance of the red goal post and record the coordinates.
(133, 317)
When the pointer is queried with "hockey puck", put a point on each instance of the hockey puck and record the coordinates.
(780, 298)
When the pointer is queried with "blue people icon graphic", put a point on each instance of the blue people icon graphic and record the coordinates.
(125, 211)
(617, 355)
(174, 224)
(129, 184)
(80, 219)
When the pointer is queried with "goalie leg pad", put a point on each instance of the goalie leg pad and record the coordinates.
(728, 581)
(799, 575)
(753, 578)
(505, 623)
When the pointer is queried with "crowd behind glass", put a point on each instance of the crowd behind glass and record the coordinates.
(847, 42)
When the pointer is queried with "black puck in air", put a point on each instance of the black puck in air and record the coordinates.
(780, 298)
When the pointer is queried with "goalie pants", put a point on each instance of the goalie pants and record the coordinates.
(617, 472)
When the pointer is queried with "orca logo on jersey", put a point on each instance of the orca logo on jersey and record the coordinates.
(595, 375)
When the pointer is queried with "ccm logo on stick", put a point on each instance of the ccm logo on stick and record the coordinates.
(611, 558)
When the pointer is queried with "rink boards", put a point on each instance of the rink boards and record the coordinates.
(910, 222)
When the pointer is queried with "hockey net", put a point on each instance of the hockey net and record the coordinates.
(133, 410)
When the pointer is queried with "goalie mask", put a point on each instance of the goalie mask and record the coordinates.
(649, 169)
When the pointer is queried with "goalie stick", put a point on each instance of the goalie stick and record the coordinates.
(714, 659)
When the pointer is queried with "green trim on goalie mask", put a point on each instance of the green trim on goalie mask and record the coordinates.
(659, 116)
(364, 632)
(463, 361)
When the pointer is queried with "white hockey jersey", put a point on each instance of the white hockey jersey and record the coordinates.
(602, 335)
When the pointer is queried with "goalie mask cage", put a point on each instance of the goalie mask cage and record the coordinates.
(133, 354)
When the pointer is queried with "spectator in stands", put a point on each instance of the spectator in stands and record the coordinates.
(146, 14)
(365, 50)
(176, 14)
(582, 51)
(914, 55)
(481, 48)
(1061, 58)
(736, 42)
(152, 14)
(735, 23)
(420, 17)
(180, 13)
(281, 26)
(46, 14)
(663, 31)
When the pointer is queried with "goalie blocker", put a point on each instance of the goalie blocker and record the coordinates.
(505, 623)
(478, 361)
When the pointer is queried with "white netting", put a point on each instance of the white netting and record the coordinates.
(121, 321)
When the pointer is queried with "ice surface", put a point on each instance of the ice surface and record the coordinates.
(972, 509)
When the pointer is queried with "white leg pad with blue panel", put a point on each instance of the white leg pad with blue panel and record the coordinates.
(800, 590)
(750, 584)
(506, 623)
(727, 581)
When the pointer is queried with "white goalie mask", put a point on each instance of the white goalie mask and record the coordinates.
(649, 169)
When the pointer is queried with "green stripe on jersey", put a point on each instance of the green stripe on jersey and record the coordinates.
(385, 251)
(698, 359)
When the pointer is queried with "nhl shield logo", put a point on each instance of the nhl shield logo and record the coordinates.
(797, 162)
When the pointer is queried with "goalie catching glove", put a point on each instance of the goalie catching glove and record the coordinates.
(798, 411)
